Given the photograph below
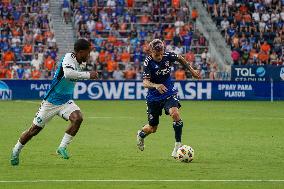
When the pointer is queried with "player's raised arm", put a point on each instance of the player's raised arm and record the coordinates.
(70, 62)
(181, 60)
(70, 73)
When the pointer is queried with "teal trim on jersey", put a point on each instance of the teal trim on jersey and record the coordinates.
(61, 90)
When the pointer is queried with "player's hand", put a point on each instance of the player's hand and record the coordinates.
(94, 75)
(195, 74)
(161, 88)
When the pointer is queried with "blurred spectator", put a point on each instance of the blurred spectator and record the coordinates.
(65, 10)
(36, 74)
(180, 74)
(235, 55)
(125, 56)
(130, 73)
(27, 71)
(118, 74)
(111, 66)
(49, 64)
(20, 72)
(8, 56)
(194, 14)
(36, 62)
(27, 51)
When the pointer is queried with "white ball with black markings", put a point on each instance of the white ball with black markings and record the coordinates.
(185, 154)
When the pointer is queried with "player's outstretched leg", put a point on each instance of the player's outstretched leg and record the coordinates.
(76, 119)
(25, 137)
(141, 135)
(177, 125)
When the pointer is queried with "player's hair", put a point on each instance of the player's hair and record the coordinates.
(156, 45)
(81, 44)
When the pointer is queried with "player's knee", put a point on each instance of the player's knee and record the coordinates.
(76, 118)
(175, 115)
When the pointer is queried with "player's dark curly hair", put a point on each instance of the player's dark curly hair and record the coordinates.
(81, 44)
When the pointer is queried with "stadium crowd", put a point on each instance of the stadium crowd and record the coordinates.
(27, 44)
(253, 29)
(119, 31)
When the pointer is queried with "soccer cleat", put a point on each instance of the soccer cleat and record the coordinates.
(177, 146)
(140, 141)
(61, 151)
(15, 159)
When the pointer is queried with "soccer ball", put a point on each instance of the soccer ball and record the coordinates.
(185, 154)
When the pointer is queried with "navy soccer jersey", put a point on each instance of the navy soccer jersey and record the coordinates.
(160, 73)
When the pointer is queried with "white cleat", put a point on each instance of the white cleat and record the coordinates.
(140, 141)
(177, 146)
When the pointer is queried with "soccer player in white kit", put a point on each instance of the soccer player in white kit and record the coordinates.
(58, 100)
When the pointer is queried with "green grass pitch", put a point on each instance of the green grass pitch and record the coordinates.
(232, 141)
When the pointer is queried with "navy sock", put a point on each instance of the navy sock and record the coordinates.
(177, 125)
(142, 134)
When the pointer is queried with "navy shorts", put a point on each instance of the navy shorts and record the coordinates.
(155, 108)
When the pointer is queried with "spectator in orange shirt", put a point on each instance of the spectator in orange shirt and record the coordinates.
(2, 71)
(265, 47)
(102, 56)
(130, 73)
(130, 3)
(36, 74)
(9, 73)
(189, 56)
(247, 18)
(111, 66)
(194, 14)
(176, 4)
(169, 33)
(144, 19)
(111, 39)
(238, 16)
(263, 58)
(49, 63)
(125, 56)
(8, 56)
(180, 74)
(27, 51)
(243, 9)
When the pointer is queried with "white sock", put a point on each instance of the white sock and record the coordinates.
(177, 144)
(66, 140)
(18, 147)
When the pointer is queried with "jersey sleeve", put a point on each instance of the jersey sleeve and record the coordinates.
(69, 61)
(147, 71)
(172, 56)
(69, 68)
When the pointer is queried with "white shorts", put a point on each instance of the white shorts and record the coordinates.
(48, 110)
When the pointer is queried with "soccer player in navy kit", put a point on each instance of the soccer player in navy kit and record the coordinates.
(58, 100)
(161, 94)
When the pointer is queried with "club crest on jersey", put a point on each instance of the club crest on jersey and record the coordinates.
(167, 63)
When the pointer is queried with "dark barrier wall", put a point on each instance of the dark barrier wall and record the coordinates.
(134, 90)
(257, 73)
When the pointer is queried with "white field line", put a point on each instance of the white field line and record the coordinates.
(98, 180)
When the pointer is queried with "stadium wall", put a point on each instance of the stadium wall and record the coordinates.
(134, 90)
